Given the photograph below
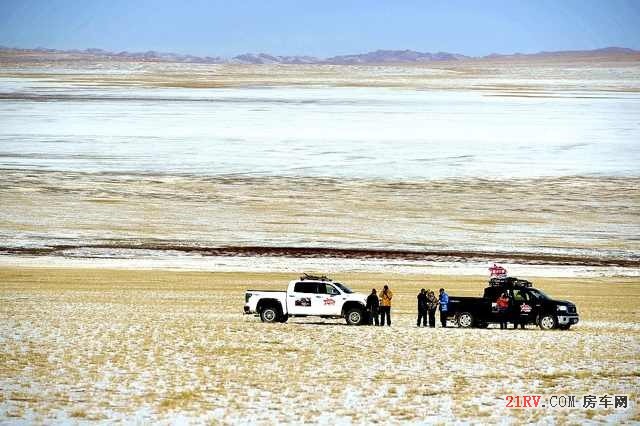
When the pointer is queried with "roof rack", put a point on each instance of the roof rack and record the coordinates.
(509, 282)
(306, 276)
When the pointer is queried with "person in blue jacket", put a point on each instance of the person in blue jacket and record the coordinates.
(444, 307)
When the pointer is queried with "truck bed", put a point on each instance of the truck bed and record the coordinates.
(471, 304)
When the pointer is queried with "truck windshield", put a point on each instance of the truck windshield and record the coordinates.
(343, 288)
(538, 294)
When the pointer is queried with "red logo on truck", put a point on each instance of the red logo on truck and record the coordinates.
(525, 308)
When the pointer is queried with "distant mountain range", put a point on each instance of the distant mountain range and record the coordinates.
(376, 57)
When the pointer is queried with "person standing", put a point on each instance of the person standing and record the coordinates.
(503, 310)
(444, 307)
(385, 305)
(373, 303)
(432, 305)
(422, 307)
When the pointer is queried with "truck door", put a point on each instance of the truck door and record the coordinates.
(331, 300)
(524, 306)
(302, 300)
(491, 295)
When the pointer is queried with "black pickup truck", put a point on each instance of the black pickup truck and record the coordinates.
(527, 305)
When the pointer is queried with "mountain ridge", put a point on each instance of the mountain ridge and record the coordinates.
(380, 56)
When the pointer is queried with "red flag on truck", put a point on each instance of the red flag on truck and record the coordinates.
(497, 271)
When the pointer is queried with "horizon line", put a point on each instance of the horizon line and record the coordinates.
(106, 52)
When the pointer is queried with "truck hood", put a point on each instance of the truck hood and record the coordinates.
(360, 297)
(571, 307)
(563, 302)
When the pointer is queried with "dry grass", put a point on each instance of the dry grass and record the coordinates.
(599, 213)
(147, 346)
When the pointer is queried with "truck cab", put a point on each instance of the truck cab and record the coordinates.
(322, 298)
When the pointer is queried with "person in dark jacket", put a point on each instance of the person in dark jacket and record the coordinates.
(444, 307)
(432, 305)
(422, 307)
(373, 303)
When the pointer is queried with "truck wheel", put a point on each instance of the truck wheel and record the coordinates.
(283, 318)
(269, 314)
(547, 322)
(465, 320)
(355, 316)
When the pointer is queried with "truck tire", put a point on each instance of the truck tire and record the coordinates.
(283, 318)
(547, 322)
(354, 316)
(465, 320)
(269, 314)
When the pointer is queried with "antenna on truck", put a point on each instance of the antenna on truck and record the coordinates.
(306, 276)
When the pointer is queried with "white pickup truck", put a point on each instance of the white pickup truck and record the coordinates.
(308, 296)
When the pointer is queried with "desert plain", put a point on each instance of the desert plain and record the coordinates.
(139, 200)
(151, 346)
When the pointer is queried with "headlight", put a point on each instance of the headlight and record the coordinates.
(561, 308)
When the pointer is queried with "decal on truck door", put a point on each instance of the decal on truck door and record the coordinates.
(303, 301)
(329, 302)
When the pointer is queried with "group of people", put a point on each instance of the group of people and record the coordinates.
(379, 307)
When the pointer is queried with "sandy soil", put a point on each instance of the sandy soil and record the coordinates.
(507, 77)
(143, 346)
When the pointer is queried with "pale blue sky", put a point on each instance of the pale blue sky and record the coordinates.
(321, 28)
